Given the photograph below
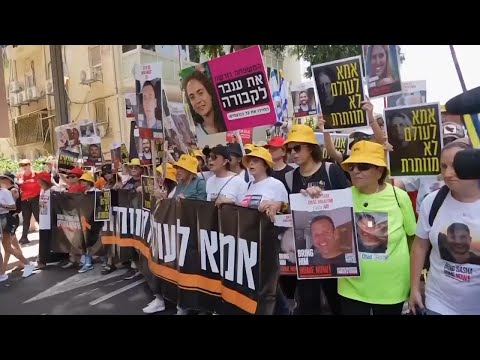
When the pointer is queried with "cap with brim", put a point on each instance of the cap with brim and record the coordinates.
(249, 147)
(7, 176)
(454, 130)
(45, 176)
(171, 172)
(24, 162)
(75, 171)
(198, 153)
(235, 149)
(276, 142)
(366, 152)
(261, 153)
(188, 163)
(301, 134)
(221, 150)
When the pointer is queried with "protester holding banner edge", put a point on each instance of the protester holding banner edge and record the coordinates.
(383, 285)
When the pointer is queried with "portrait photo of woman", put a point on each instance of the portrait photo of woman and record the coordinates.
(203, 103)
(148, 98)
(382, 68)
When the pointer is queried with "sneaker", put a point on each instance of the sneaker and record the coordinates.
(182, 311)
(85, 268)
(3, 277)
(131, 274)
(68, 265)
(28, 270)
(156, 305)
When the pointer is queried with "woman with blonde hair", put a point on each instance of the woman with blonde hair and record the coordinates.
(380, 65)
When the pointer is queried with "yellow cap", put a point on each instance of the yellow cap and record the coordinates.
(301, 134)
(170, 170)
(188, 163)
(366, 152)
(135, 162)
(249, 147)
(258, 152)
(88, 176)
(197, 153)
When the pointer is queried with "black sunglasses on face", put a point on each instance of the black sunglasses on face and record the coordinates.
(213, 157)
(297, 148)
(25, 165)
(71, 176)
(360, 167)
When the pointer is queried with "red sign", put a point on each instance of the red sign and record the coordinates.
(245, 134)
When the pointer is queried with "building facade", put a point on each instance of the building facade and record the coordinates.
(96, 77)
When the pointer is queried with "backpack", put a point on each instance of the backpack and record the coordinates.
(18, 202)
(289, 176)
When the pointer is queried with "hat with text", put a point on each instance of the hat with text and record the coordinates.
(301, 134)
(366, 152)
(188, 163)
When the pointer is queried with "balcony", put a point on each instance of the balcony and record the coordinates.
(34, 128)
(170, 66)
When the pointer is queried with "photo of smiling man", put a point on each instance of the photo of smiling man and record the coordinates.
(456, 245)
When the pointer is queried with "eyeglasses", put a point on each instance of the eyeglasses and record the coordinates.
(297, 148)
(360, 167)
(213, 157)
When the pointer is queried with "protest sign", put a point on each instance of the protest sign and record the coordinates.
(382, 70)
(147, 192)
(415, 134)
(67, 160)
(102, 210)
(92, 151)
(287, 258)
(413, 93)
(340, 91)
(325, 235)
(245, 134)
(340, 141)
(304, 100)
(68, 138)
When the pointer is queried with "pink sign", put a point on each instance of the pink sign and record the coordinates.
(242, 89)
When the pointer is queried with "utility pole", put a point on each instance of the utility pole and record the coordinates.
(60, 95)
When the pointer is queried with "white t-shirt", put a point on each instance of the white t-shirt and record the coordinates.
(269, 189)
(453, 284)
(6, 198)
(233, 187)
(44, 214)
(424, 186)
(205, 175)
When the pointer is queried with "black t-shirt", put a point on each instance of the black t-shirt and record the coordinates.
(320, 179)
(347, 174)
(280, 175)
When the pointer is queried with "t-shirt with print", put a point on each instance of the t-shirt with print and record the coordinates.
(280, 174)
(269, 189)
(424, 186)
(320, 179)
(6, 198)
(233, 187)
(382, 229)
(453, 286)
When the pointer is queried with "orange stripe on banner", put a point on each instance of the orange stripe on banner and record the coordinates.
(201, 283)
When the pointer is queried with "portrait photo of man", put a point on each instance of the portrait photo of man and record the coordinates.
(455, 245)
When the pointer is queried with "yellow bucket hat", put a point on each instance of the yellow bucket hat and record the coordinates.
(198, 153)
(301, 134)
(135, 162)
(171, 172)
(258, 152)
(88, 176)
(366, 152)
(188, 163)
(249, 147)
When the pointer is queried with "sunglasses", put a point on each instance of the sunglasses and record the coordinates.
(71, 176)
(296, 148)
(25, 165)
(213, 157)
(360, 167)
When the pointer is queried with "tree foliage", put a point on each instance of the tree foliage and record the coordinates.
(213, 51)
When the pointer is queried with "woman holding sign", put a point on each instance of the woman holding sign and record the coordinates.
(385, 220)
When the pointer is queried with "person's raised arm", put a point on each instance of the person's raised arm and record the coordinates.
(379, 135)
(333, 153)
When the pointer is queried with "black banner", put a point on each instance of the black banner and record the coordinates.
(202, 257)
(340, 89)
(102, 205)
(415, 134)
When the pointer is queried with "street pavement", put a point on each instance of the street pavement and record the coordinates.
(57, 291)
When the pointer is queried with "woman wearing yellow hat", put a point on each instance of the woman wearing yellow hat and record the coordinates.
(312, 176)
(264, 187)
(189, 185)
(385, 219)
(169, 182)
